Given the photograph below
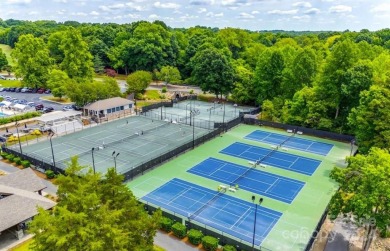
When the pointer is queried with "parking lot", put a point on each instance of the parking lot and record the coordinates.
(32, 97)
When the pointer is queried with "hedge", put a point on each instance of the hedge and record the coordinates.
(25, 163)
(19, 117)
(195, 236)
(229, 248)
(50, 174)
(10, 157)
(210, 243)
(179, 230)
(17, 160)
(166, 224)
(3, 155)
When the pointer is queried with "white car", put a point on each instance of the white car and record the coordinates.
(2, 77)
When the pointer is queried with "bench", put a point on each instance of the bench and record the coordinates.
(284, 148)
(262, 165)
(252, 163)
(290, 131)
(222, 186)
(231, 189)
(274, 146)
(299, 132)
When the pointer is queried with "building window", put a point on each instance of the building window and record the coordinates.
(122, 108)
(130, 106)
(113, 110)
(108, 110)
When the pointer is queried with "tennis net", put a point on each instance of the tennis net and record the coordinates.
(136, 134)
(256, 163)
(288, 138)
(214, 198)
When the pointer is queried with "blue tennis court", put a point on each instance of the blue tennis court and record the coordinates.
(278, 159)
(220, 211)
(291, 142)
(254, 180)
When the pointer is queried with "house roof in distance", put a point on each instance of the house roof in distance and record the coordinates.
(24, 179)
(108, 103)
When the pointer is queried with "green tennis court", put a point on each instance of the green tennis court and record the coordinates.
(298, 220)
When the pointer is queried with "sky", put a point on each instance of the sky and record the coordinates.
(315, 15)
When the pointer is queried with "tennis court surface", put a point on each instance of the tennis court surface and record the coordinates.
(220, 211)
(278, 159)
(291, 142)
(254, 180)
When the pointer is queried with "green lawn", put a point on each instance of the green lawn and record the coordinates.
(7, 50)
(10, 83)
(23, 247)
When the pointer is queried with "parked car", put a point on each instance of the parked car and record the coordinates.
(12, 89)
(19, 89)
(2, 77)
(25, 89)
(48, 91)
(67, 108)
(23, 101)
(1, 89)
(34, 90)
(5, 89)
(39, 107)
(31, 104)
(40, 90)
(76, 107)
(48, 109)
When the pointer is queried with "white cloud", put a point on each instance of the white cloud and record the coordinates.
(94, 13)
(255, 12)
(244, 15)
(202, 10)
(132, 16)
(302, 4)
(166, 5)
(381, 8)
(135, 7)
(17, 1)
(104, 8)
(32, 13)
(188, 17)
(61, 1)
(312, 11)
(153, 16)
(61, 12)
(234, 2)
(212, 14)
(340, 9)
(81, 14)
(302, 18)
(283, 12)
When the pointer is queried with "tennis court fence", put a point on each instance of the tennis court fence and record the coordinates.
(304, 130)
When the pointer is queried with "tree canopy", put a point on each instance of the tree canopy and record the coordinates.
(100, 212)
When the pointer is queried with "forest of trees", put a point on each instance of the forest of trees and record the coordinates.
(334, 81)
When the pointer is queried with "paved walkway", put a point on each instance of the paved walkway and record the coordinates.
(162, 239)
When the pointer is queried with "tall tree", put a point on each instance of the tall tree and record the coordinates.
(364, 192)
(269, 75)
(370, 121)
(212, 71)
(94, 213)
(138, 81)
(57, 82)
(72, 54)
(33, 61)
(170, 74)
(3, 59)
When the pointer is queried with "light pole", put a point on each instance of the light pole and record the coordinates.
(115, 156)
(192, 114)
(52, 151)
(254, 224)
(17, 130)
(93, 161)
(352, 143)
(223, 119)
(186, 113)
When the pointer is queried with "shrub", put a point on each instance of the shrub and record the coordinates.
(164, 89)
(12, 138)
(19, 117)
(50, 174)
(36, 132)
(384, 233)
(166, 224)
(195, 236)
(229, 248)
(10, 157)
(26, 163)
(179, 230)
(17, 160)
(3, 155)
(210, 243)
(191, 91)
